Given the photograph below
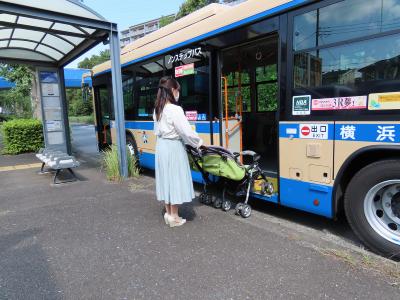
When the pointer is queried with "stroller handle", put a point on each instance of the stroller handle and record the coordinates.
(194, 150)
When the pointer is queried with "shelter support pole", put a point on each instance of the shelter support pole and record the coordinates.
(118, 102)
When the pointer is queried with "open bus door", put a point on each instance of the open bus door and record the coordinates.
(103, 116)
(250, 99)
(250, 103)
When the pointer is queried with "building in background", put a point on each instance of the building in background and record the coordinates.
(138, 31)
(232, 2)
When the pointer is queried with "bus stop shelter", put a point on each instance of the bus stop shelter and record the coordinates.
(73, 78)
(49, 34)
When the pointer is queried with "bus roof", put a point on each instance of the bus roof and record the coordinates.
(204, 23)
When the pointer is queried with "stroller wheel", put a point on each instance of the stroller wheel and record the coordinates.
(207, 199)
(238, 208)
(245, 212)
(226, 205)
(217, 203)
(202, 197)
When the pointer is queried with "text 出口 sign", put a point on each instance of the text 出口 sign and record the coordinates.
(314, 131)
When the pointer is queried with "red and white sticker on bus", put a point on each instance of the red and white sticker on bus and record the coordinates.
(314, 131)
(191, 115)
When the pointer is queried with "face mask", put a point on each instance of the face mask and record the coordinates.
(177, 97)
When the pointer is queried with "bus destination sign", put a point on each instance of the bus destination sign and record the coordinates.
(197, 52)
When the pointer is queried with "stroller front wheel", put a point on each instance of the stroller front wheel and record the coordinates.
(238, 208)
(226, 205)
(245, 212)
(202, 198)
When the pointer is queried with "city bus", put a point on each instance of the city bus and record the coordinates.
(311, 86)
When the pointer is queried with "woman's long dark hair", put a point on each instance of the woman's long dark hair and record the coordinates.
(165, 94)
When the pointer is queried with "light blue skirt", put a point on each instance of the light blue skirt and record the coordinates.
(173, 176)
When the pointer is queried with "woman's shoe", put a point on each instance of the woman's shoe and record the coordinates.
(168, 218)
(177, 222)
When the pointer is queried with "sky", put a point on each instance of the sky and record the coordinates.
(126, 13)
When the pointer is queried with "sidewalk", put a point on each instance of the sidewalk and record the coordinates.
(98, 240)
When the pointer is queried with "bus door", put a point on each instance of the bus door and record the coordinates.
(250, 89)
(103, 116)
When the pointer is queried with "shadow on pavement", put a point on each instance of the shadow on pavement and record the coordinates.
(25, 272)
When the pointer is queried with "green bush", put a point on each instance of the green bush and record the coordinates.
(111, 164)
(22, 135)
(81, 108)
(81, 119)
(4, 118)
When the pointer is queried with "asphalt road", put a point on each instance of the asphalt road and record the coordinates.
(84, 138)
(98, 240)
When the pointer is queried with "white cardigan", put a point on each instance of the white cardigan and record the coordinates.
(174, 125)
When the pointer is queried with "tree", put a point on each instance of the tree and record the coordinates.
(165, 20)
(23, 98)
(76, 105)
(94, 60)
(190, 6)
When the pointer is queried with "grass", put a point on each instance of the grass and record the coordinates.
(81, 119)
(340, 254)
(111, 165)
(378, 265)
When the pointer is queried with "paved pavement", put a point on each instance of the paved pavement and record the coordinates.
(84, 138)
(99, 240)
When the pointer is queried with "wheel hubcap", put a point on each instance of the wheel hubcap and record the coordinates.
(396, 205)
(382, 209)
(131, 149)
(246, 210)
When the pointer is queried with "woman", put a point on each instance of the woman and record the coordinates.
(174, 184)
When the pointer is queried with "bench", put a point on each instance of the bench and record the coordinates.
(57, 161)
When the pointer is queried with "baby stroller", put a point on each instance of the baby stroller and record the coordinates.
(221, 168)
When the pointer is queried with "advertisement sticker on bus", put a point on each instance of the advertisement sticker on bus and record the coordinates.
(384, 101)
(191, 115)
(184, 70)
(340, 103)
(301, 105)
(314, 131)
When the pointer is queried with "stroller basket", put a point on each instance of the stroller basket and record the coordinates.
(216, 161)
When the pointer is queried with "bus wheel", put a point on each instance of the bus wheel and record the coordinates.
(132, 146)
(372, 206)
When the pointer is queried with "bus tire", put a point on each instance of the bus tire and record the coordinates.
(372, 206)
(130, 141)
